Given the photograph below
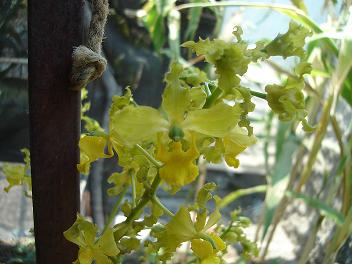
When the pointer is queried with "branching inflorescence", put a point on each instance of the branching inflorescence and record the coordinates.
(198, 117)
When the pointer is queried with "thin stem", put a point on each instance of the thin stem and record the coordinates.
(319, 136)
(157, 163)
(309, 244)
(268, 127)
(196, 60)
(228, 229)
(147, 196)
(202, 167)
(231, 197)
(165, 209)
(134, 213)
(346, 192)
(115, 209)
(258, 94)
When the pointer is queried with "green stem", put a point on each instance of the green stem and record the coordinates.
(258, 94)
(147, 196)
(165, 209)
(135, 212)
(115, 209)
(319, 136)
(226, 230)
(157, 163)
(241, 192)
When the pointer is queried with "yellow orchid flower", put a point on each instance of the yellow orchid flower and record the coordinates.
(204, 250)
(182, 108)
(83, 234)
(182, 116)
(179, 166)
(18, 174)
(181, 228)
(92, 148)
(236, 142)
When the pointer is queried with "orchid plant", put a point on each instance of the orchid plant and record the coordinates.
(198, 118)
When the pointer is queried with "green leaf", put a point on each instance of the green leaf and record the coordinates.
(154, 22)
(193, 20)
(347, 89)
(300, 4)
(156, 11)
(281, 136)
(343, 70)
(279, 180)
(323, 208)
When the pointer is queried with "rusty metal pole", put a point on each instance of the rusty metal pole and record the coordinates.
(54, 27)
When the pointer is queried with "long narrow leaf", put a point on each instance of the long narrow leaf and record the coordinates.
(279, 180)
(193, 21)
(323, 208)
(344, 64)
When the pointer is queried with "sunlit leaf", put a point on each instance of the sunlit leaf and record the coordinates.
(279, 180)
(323, 208)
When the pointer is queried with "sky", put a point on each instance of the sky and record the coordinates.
(259, 23)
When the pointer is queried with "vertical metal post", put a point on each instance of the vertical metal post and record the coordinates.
(54, 28)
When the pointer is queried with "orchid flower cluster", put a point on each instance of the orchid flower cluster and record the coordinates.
(198, 118)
